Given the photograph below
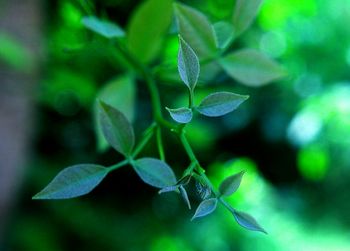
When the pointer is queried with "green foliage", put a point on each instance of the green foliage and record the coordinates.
(181, 115)
(117, 129)
(120, 93)
(251, 68)
(224, 34)
(220, 103)
(73, 181)
(145, 41)
(188, 65)
(247, 221)
(205, 207)
(196, 29)
(154, 172)
(230, 184)
(201, 45)
(244, 14)
(103, 28)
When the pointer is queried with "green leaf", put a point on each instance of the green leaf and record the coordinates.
(230, 185)
(148, 24)
(117, 129)
(73, 181)
(220, 103)
(205, 207)
(244, 14)
(185, 196)
(195, 28)
(224, 34)
(251, 68)
(103, 28)
(188, 64)
(119, 93)
(181, 115)
(247, 221)
(154, 172)
(169, 189)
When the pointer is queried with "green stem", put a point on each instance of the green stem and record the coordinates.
(160, 143)
(118, 165)
(145, 139)
(191, 97)
(188, 148)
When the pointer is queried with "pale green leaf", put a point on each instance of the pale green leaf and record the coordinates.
(154, 172)
(148, 24)
(117, 129)
(230, 185)
(73, 181)
(185, 196)
(181, 115)
(247, 221)
(102, 27)
(244, 14)
(205, 207)
(119, 93)
(188, 64)
(195, 28)
(167, 189)
(224, 34)
(220, 103)
(252, 68)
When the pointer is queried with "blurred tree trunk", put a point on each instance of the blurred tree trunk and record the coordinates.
(20, 20)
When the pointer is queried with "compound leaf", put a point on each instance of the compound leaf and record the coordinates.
(181, 115)
(73, 181)
(103, 28)
(205, 207)
(230, 185)
(154, 172)
(117, 129)
(252, 68)
(188, 64)
(220, 103)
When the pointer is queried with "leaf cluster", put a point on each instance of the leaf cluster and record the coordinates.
(201, 44)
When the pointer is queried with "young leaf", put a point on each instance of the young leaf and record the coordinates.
(195, 28)
(117, 129)
(181, 115)
(244, 14)
(185, 196)
(103, 28)
(220, 103)
(251, 68)
(188, 64)
(148, 25)
(154, 172)
(73, 181)
(119, 93)
(169, 189)
(247, 221)
(205, 207)
(230, 185)
(224, 34)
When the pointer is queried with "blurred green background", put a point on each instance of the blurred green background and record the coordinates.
(292, 137)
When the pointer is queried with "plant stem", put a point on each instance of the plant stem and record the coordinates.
(118, 165)
(160, 143)
(145, 139)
